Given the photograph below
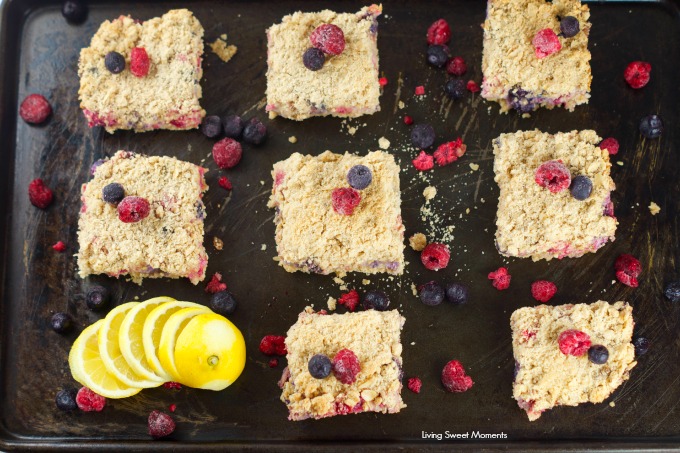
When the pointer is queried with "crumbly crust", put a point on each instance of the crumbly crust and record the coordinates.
(167, 243)
(373, 336)
(346, 86)
(509, 60)
(312, 237)
(168, 97)
(532, 221)
(546, 377)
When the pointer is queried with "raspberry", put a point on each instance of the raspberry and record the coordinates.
(423, 162)
(89, 401)
(160, 424)
(414, 384)
(227, 153)
(172, 385)
(350, 300)
(139, 62)
(611, 145)
(435, 256)
(59, 246)
(345, 200)
(224, 183)
(329, 38)
(554, 175)
(637, 74)
(472, 87)
(543, 290)
(133, 209)
(34, 109)
(346, 366)
(382, 81)
(215, 284)
(501, 278)
(420, 90)
(574, 342)
(454, 378)
(449, 152)
(172, 407)
(273, 345)
(456, 66)
(39, 194)
(439, 32)
(408, 120)
(273, 363)
(628, 269)
(546, 43)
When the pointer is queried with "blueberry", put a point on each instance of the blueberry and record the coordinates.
(114, 62)
(672, 291)
(515, 371)
(61, 322)
(359, 177)
(431, 294)
(437, 56)
(66, 400)
(113, 193)
(598, 354)
(517, 97)
(651, 126)
(223, 303)
(313, 59)
(641, 345)
(233, 126)
(455, 88)
(376, 300)
(581, 187)
(211, 126)
(422, 136)
(320, 366)
(255, 132)
(97, 297)
(457, 294)
(569, 26)
(74, 11)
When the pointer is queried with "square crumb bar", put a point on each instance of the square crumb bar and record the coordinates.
(312, 237)
(346, 86)
(545, 377)
(166, 98)
(167, 243)
(514, 76)
(373, 336)
(531, 220)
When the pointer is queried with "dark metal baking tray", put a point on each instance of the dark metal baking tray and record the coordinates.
(39, 54)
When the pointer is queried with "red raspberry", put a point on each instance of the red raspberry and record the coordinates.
(139, 62)
(628, 269)
(329, 38)
(172, 407)
(345, 200)
(408, 120)
(89, 401)
(382, 81)
(273, 345)
(501, 278)
(454, 378)
(449, 152)
(610, 144)
(439, 32)
(215, 284)
(574, 342)
(420, 90)
(273, 363)
(456, 66)
(414, 384)
(546, 43)
(423, 162)
(39, 194)
(554, 175)
(637, 74)
(172, 385)
(346, 366)
(435, 256)
(543, 290)
(133, 209)
(34, 109)
(59, 246)
(160, 424)
(224, 183)
(227, 153)
(472, 87)
(350, 300)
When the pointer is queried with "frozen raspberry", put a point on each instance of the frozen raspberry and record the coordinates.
(472, 87)
(449, 152)
(454, 378)
(227, 153)
(346, 366)
(628, 269)
(89, 401)
(414, 384)
(382, 81)
(345, 200)
(574, 342)
(439, 32)
(543, 290)
(350, 300)
(501, 278)
(273, 345)
(172, 385)
(329, 38)
(423, 162)
(420, 90)
(637, 74)
(172, 407)
(224, 183)
(408, 120)
(160, 424)
(456, 66)
(554, 175)
(133, 209)
(39, 194)
(35, 109)
(546, 43)
(139, 62)
(273, 363)
(59, 246)
(435, 256)
(215, 284)
(611, 145)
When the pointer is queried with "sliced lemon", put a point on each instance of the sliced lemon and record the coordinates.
(131, 340)
(88, 368)
(171, 330)
(210, 352)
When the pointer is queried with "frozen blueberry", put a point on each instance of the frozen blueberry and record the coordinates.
(113, 193)
(66, 400)
(97, 297)
(313, 59)
(223, 303)
(233, 126)
(61, 322)
(457, 294)
(376, 300)
(422, 136)
(581, 187)
(437, 56)
(598, 354)
(651, 126)
(518, 99)
(211, 126)
(431, 294)
(320, 366)
(455, 88)
(569, 26)
(255, 132)
(114, 62)
(74, 11)
(359, 177)
(672, 291)
(641, 345)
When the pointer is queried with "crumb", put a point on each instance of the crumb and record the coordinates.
(222, 50)
(474, 167)
(292, 139)
(413, 343)
(429, 193)
(401, 104)
(619, 163)
(526, 115)
(217, 243)
(467, 210)
(654, 208)
(414, 290)
(417, 242)
(263, 247)
(383, 143)
(612, 404)
(331, 304)
(352, 130)
(338, 280)
(365, 281)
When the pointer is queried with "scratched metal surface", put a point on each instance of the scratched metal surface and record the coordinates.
(40, 56)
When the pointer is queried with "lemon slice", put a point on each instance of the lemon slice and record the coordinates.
(88, 369)
(171, 330)
(210, 352)
(131, 341)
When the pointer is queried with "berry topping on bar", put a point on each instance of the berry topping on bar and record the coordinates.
(97, 297)
(456, 66)
(637, 74)
(346, 366)
(431, 293)
(501, 278)
(66, 400)
(139, 62)
(455, 88)
(114, 62)
(641, 345)
(553, 175)
(598, 354)
(439, 32)
(211, 126)
(651, 126)
(160, 424)
(611, 145)
(113, 193)
(133, 209)
(320, 366)
(435, 256)
(546, 43)
(350, 300)
(449, 152)
(89, 401)
(233, 126)
(345, 200)
(376, 300)
(672, 292)
(457, 293)
(61, 322)
(313, 59)
(329, 38)
(454, 378)
(39, 194)
(35, 109)
(223, 303)
(574, 342)
(581, 187)
(74, 11)
(423, 162)
(628, 269)
(254, 132)
(422, 136)
(569, 26)
(359, 177)
(227, 153)
(273, 345)
(543, 290)
(437, 55)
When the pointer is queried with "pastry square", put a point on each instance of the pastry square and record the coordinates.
(534, 222)
(346, 86)
(166, 98)
(167, 243)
